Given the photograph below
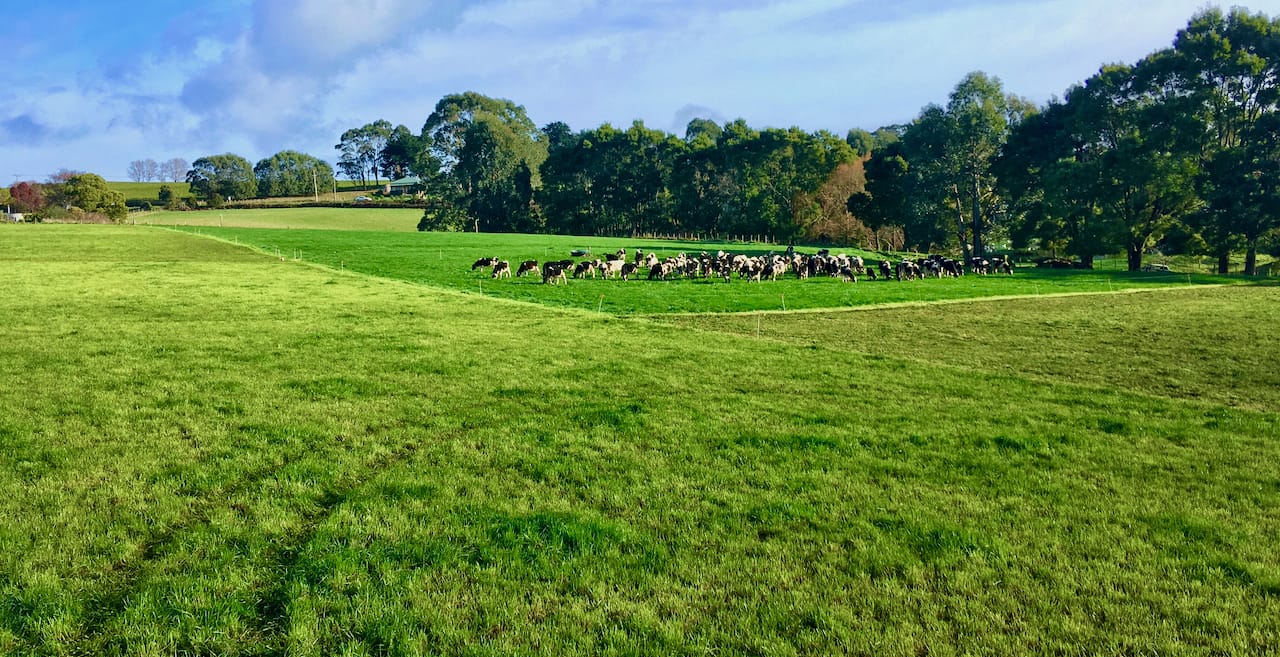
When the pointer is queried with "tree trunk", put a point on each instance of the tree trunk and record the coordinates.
(1135, 257)
(978, 250)
(1251, 258)
(1224, 262)
(960, 224)
(1086, 261)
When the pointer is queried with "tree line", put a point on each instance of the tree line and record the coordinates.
(171, 170)
(1180, 151)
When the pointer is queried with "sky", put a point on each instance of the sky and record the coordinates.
(96, 84)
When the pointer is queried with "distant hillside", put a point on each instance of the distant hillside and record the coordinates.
(148, 191)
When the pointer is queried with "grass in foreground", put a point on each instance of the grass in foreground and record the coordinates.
(213, 452)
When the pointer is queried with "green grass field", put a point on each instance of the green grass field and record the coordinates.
(149, 191)
(349, 219)
(445, 259)
(208, 449)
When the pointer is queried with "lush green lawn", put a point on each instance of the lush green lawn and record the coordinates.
(445, 259)
(206, 450)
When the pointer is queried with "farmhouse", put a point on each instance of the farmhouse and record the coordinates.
(406, 185)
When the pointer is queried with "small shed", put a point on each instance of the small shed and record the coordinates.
(406, 185)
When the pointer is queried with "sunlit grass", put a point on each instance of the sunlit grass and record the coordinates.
(445, 259)
(208, 450)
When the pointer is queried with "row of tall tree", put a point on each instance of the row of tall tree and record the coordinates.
(226, 177)
(1181, 150)
(171, 170)
(486, 166)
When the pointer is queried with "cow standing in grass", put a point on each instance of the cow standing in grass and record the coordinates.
(553, 271)
(526, 267)
(501, 269)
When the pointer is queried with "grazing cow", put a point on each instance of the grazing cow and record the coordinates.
(612, 268)
(483, 262)
(552, 271)
(979, 265)
(847, 275)
(628, 270)
(585, 267)
(908, 270)
(526, 267)
(501, 269)
(650, 260)
(886, 269)
(620, 254)
(1004, 265)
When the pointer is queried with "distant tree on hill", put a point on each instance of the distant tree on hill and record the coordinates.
(173, 170)
(216, 178)
(89, 192)
(136, 171)
(402, 154)
(290, 173)
(361, 150)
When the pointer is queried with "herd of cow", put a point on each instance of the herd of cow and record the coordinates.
(751, 268)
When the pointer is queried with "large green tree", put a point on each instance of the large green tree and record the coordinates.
(360, 151)
(942, 168)
(290, 173)
(1224, 69)
(610, 181)
(486, 155)
(89, 192)
(216, 178)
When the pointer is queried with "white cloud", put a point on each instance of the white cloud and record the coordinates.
(296, 73)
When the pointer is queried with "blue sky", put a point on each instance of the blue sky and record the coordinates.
(94, 84)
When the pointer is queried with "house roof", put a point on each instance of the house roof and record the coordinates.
(406, 181)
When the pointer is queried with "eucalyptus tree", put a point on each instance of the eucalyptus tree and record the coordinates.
(290, 173)
(610, 181)
(943, 167)
(1140, 145)
(1224, 69)
(403, 154)
(481, 156)
(217, 177)
(360, 150)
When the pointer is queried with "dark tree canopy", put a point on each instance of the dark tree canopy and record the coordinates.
(217, 178)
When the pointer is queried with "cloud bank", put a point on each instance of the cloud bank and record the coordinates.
(258, 76)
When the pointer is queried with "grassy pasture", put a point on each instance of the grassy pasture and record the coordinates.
(345, 219)
(444, 259)
(206, 450)
(149, 191)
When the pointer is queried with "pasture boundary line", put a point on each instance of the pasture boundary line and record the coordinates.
(781, 341)
(936, 302)
(450, 291)
(584, 312)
